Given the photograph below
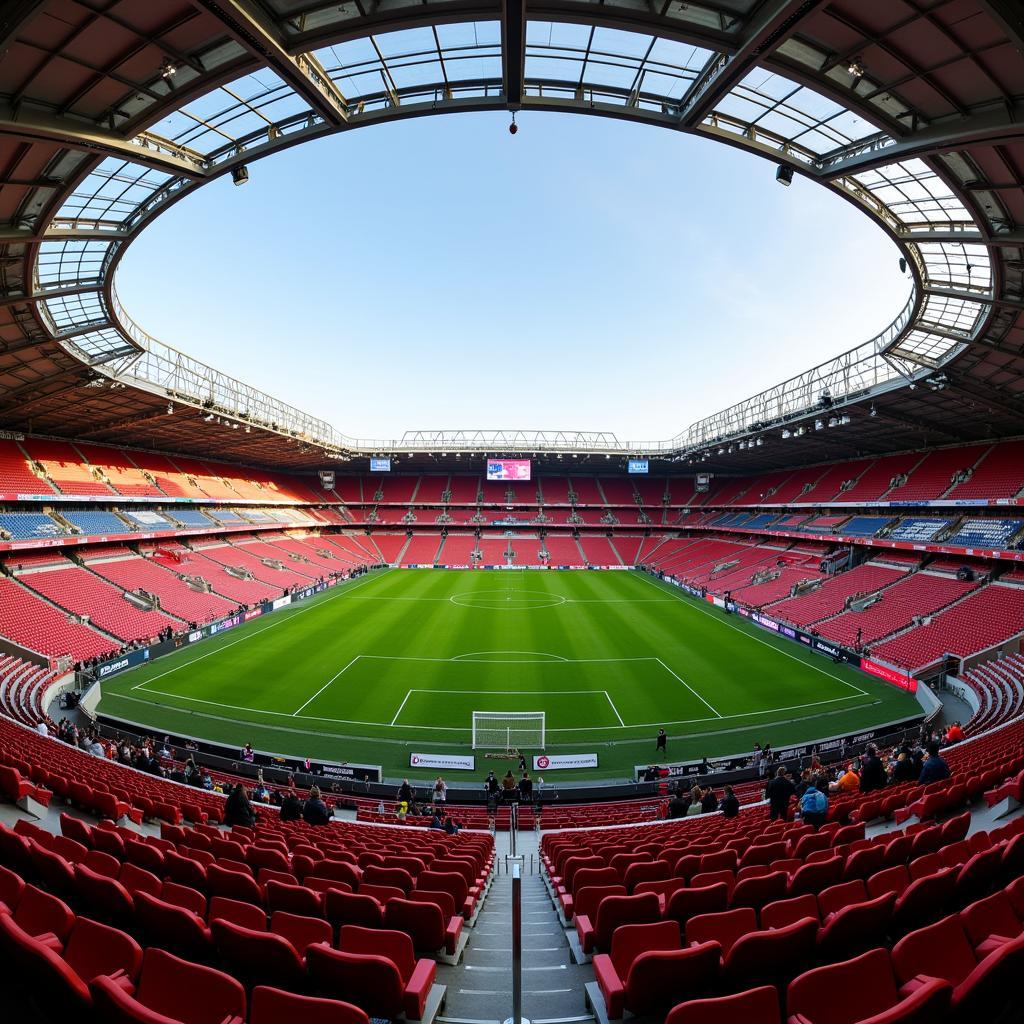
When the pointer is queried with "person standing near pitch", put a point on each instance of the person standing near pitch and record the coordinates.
(662, 742)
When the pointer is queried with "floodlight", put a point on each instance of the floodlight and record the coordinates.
(168, 69)
(818, 425)
(240, 174)
(784, 175)
(872, 412)
(857, 68)
(786, 434)
(170, 408)
(833, 421)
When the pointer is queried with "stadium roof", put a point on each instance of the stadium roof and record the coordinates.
(913, 110)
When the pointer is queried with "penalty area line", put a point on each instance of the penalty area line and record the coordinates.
(400, 706)
(324, 687)
(614, 708)
(710, 707)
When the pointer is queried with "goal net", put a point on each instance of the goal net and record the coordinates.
(508, 730)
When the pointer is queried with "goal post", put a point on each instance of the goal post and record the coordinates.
(508, 730)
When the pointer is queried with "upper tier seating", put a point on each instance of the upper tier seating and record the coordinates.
(992, 615)
(190, 518)
(586, 490)
(29, 525)
(124, 476)
(22, 688)
(16, 475)
(148, 520)
(65, 467)
(526, 551)
(431, 489)
(30, 621)
(919, 594)
(829, 485)
(876, 480)
(933, 477)
(83, 593)
(999, 475)
(176, 597)
(617, 491)
(831, 597)
(554, 490)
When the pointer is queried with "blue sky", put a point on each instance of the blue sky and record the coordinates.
(440, 273)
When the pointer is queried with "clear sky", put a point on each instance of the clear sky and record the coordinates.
(439, 273)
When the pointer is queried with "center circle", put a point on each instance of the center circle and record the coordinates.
(507, 600)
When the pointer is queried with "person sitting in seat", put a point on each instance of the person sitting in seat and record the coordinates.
(730, 805)
(315, 811)
(813, 805)
(291, 806)
(934, 768)
(237, 809)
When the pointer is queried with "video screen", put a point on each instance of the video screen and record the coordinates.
(508, 469)
(380, 465)
(638, 465)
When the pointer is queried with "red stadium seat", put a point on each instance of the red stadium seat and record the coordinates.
(865, 989)
(300, 931)
(171, 990)
(649, 970)
(613, 912)
(173, 928)
(258, 957)
(272, 1006)
(755, 1006)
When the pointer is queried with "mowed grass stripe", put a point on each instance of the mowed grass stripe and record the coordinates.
(342, 669)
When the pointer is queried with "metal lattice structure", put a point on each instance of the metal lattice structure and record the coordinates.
(107, 120)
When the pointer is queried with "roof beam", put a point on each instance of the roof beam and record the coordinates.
(773, 23)
(161, 154)
(1010, 17)
(918, 424)
(251, 27)
(989, 397)
(996, 125)
(973, 237)
(1006, 302)
(513, 51)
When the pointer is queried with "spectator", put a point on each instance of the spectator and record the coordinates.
(708, 802)
(813, 805)
(405, 792)
(450, 825)
(314, 810)
(491, 785)
(695, 797)
(872, 771)
(848, 782)
(955, 733)
(730, 806)
(679, 804)
(934, 768)
(440, 790)
(526, 788)
(801, 786)
(237, 809)
(291, 806)
(247, 753)
(905, 770)
(758, 760)
(662, 742)
(437, 821)
(43, 729)
(508, 785)
(779, 792)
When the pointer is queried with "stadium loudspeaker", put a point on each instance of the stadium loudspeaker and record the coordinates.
(240, 174)
(903, 265)
(784, 175)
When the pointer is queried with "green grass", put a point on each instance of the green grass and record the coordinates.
(397, 661)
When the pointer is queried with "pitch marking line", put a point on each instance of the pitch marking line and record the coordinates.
(696, 607)
(710, 707)
(256, 632)
(400, 706)
(614, 709)
(328, 683)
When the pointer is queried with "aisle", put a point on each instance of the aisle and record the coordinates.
(480, 988)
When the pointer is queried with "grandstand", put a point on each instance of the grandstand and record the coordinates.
(836, 560)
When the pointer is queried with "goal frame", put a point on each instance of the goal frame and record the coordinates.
(515, 736)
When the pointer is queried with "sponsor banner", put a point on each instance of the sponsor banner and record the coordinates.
(253, 613)
(230, 623)
(196, 634)
(281, 602)
(448, 762)
(128, 660)
(558, 762)
(890, 675)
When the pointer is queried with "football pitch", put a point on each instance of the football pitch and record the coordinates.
(397, 661)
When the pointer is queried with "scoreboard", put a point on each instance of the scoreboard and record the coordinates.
(508, 469)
